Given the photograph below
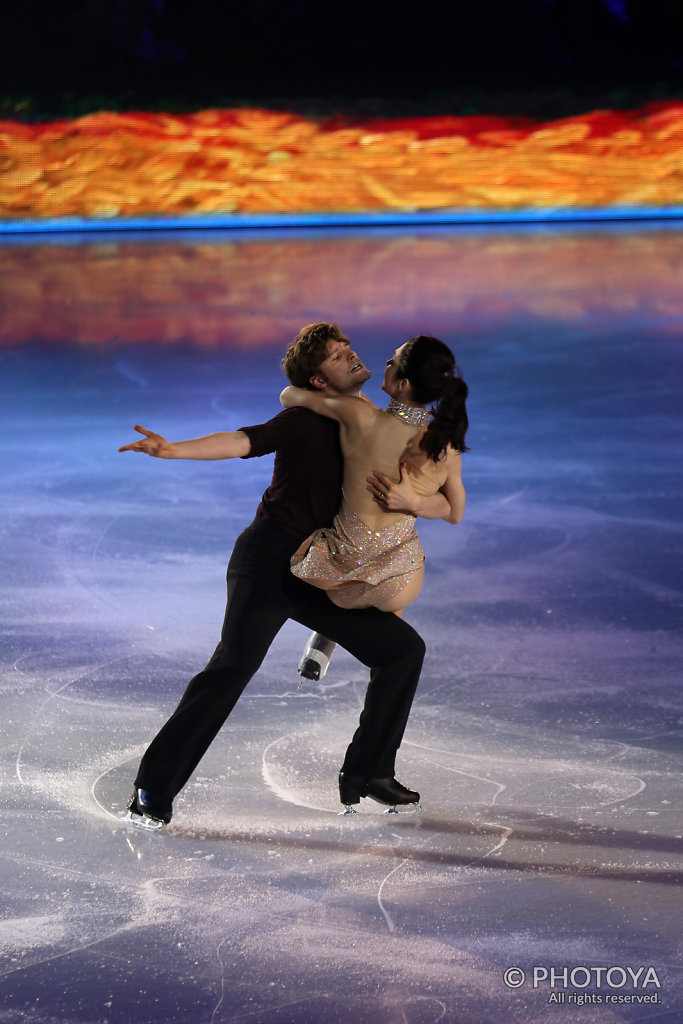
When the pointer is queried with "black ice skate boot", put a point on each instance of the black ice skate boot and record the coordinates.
(384, 791)
(146, 812)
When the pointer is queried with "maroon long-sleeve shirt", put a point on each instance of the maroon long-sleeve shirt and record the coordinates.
(305, 491)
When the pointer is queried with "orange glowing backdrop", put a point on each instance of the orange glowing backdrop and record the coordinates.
(241, 162)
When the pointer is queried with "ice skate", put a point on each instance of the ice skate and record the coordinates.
(385, 791)
(145, 812)
(316, 658)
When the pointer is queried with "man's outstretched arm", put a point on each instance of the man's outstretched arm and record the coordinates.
(227, 444)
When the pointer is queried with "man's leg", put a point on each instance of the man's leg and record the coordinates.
(393, 650)
(253, 616)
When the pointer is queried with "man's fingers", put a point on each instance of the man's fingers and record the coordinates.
(379, 486)
(150, 441)
(136, 446)
(379, 478)
(378, 495)
(144, 430)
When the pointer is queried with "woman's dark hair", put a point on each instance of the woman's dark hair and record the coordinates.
(430, 368)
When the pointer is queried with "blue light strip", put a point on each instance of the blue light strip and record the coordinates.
(538, 215)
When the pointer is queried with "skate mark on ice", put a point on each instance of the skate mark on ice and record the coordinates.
(550, 767)
(150, 894)
(622, 799)
(59, 694)
(296, 694)
(281, 791)
(385, 913)
(129, 926)
(621, 750)
(247, 1013)
(422, 1000)
(499, 786)
(499, 846)
(507, 832)
(222, 966)
(117, 705)
(110, 814)
(318, 691)
(29, 728)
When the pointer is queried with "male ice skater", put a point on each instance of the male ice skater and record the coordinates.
(304, 494)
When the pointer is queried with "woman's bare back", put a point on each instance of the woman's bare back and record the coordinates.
(373, 441)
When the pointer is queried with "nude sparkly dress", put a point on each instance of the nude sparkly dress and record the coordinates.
(364, 567)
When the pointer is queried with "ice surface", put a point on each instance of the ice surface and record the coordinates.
(545, 738)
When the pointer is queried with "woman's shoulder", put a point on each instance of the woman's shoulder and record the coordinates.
(363, 410)
(450, 455)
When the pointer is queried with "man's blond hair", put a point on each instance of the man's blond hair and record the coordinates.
(308, 350)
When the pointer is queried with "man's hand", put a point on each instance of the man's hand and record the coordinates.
(447, 503)
(226, 444)
(392, 496)
(151, 444)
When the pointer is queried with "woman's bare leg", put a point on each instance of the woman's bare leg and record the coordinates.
(315, 659)
(406, 596)
(396, 603)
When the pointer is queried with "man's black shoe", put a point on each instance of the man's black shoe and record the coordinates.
(384, 791)
(389, 791)
(147, 812)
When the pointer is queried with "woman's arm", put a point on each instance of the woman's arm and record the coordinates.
(448, 503)
(453, 487)
(343, 408)
(227, 444)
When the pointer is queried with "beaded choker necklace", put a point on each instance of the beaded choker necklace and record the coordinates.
(408, 413)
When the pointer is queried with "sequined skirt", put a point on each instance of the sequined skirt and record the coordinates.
(364, 567)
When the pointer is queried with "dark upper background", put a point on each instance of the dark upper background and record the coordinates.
(545, 58)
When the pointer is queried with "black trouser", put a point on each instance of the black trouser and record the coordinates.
(262, 595)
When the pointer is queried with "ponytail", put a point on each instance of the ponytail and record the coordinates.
(449, 422)
(430, 368)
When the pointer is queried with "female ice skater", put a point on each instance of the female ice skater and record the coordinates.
(372, 556)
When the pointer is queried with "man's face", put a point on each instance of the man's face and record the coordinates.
(341, 371)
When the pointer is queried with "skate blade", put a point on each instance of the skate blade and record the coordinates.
(397, 809)
(143, 821)
(404, 809)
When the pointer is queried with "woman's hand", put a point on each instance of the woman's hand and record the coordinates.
(151, 444)
(392, 496)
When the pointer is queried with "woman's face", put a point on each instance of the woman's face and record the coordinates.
(392, 382)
